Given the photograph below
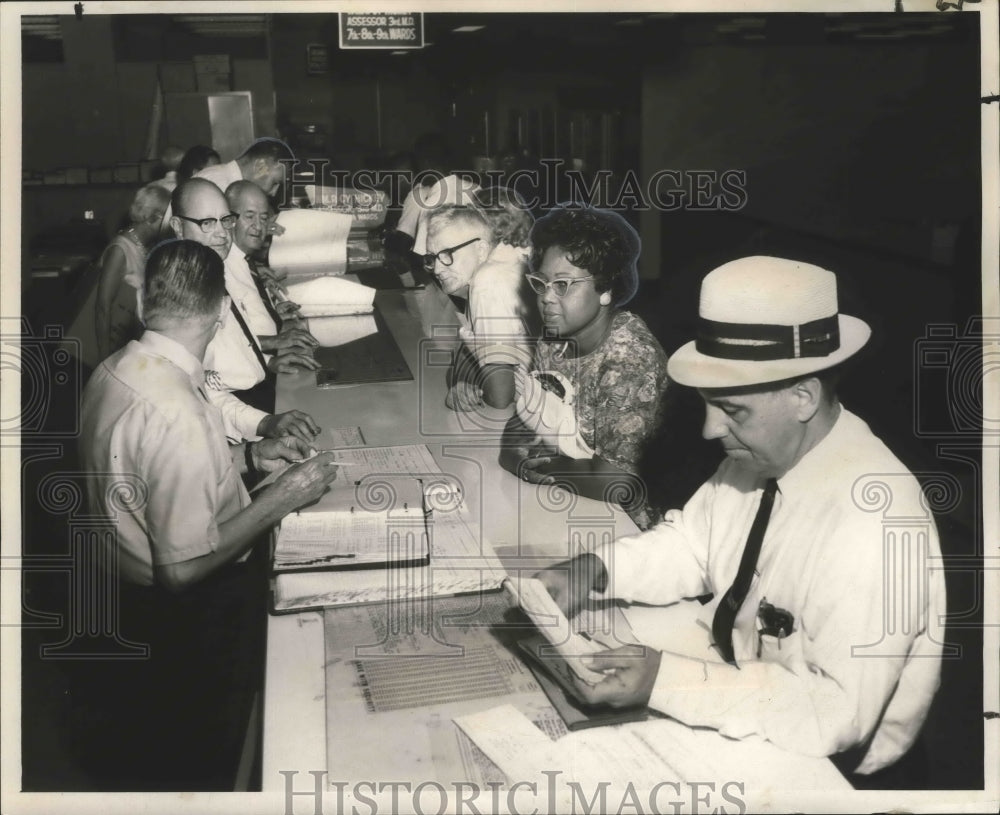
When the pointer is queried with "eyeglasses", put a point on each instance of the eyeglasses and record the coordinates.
(560, 286)
(445, 255)
(208, 224)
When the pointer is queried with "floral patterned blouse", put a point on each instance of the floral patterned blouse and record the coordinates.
(618, 389)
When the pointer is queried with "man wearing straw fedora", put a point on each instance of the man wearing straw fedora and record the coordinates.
(823, 634)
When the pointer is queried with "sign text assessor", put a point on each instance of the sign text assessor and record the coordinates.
(378, 30)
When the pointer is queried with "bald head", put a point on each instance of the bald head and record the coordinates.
(195, 203)
(248, 201)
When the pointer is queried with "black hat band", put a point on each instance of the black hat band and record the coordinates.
(761, 342)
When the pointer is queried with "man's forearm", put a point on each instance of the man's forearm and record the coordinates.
(236, 536)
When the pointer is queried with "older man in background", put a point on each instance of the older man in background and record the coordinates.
(286, 344)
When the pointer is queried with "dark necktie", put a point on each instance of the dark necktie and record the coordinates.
(248, 335)
(262, 291)
(725, 613)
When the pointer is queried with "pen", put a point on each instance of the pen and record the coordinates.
(322, 559)
(313, 452)
(338, 462)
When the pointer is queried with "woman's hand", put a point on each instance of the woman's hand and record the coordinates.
(535, 466)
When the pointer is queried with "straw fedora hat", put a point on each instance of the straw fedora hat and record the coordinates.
(764, 319)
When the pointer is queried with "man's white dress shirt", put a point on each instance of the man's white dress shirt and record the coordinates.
(852, 552)
(231, 362)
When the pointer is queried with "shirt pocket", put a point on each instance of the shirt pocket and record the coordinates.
(777, 634)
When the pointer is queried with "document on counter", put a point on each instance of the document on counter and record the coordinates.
(370, 524)
(531, 595)
(333, 331)
(331, 296)
(643, 754)
(521, 750)
(459, 563)
(314, 241)
(413, 668)
(342, 436)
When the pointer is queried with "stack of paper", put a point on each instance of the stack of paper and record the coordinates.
(331, 296)
(533, 598)
(333, 331)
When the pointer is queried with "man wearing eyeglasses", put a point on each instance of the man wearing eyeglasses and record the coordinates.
(460, 241)
(234, 362)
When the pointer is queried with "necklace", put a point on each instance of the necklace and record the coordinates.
(132, 236)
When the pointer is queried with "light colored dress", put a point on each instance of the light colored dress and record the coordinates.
(123, 319)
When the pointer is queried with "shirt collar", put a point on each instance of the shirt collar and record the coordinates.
(815, 466)
(236, 259)
(173, 351)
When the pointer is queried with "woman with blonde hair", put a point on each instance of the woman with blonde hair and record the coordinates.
(122, 264)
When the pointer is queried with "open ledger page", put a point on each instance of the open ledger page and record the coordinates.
(371, 525)
(459, 563)
(640, 755)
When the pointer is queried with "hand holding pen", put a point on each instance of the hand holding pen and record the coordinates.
(307, 480)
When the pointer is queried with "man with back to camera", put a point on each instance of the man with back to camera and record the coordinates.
(182, 536)
(782, 537)
(234, 361)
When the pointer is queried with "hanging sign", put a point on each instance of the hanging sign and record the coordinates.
(382, 30)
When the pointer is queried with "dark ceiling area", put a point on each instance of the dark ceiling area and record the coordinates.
(526, 41)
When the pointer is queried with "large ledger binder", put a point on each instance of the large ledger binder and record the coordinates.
(380, 523)
(457, 562)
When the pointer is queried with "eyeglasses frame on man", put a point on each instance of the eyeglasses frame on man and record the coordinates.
(208, 224)
(431, 257)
